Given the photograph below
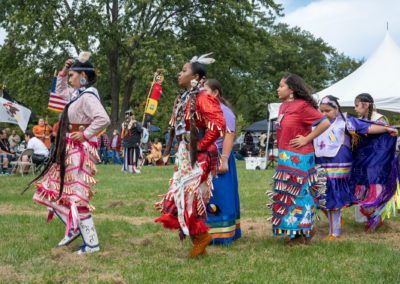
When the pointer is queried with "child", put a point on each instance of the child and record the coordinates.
(375, 183)
(333, 153)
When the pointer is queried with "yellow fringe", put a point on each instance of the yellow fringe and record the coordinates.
(355, 139)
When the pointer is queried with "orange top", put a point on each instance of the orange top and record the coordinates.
(43, 133)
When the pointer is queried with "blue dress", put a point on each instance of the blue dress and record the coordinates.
(339, 186)
(223, 209)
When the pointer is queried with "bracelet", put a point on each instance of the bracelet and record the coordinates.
(225, 156)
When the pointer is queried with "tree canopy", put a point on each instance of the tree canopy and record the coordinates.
(130, 39)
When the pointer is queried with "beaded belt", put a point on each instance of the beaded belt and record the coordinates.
(77, 127)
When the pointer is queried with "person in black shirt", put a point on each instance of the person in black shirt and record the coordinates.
(131, 135)
(6, 153)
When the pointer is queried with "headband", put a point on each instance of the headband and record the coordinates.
(81, 68)
(328, 101)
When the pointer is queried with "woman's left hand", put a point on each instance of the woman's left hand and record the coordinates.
(393, 131)
(78, 136)
(299, 141)
(223, 167)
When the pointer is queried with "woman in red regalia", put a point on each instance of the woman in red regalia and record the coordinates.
(197, 121)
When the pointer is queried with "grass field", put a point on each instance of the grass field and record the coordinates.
(136, 250)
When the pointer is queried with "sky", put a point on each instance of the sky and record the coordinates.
(354, 27)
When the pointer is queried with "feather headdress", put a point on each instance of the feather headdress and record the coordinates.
(84, 56)
(82, 63)
(203, 59)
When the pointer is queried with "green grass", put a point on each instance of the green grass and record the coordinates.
(136, 250)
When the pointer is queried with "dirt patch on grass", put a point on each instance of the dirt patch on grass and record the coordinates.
(115, 204)
(8, 274)
(111, 278)
(259, 227)
(19, 210)
(128, 219)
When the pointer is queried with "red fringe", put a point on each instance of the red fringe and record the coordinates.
(283, 198)
(169, 221)
(196, 225)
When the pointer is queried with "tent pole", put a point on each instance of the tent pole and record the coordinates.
(266, 146)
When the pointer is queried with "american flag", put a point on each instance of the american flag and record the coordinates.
(56, 103)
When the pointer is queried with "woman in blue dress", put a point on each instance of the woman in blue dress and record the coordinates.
(224, 206)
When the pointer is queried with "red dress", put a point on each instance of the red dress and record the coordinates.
(293, 206)
(184, 206)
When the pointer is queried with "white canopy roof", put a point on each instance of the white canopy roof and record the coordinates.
(379, 76)
(273, 110)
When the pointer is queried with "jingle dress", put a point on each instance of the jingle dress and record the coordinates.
(87, 113)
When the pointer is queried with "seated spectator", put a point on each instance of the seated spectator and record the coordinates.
(248, 145)
(43, 131)
(40, 151)
(14, 140)
(155, 152)
(6, 153)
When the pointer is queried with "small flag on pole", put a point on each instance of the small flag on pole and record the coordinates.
(56, 103)
(156, 92)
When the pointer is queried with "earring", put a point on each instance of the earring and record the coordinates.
(82, 81)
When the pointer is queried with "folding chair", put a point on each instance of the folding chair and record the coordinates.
(19, 164)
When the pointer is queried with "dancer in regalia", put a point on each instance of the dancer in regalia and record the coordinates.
(65, 184)
(375, 168)
(131, 135)
(197, 121)
(224, 206)
(293, 206)
(333, 151)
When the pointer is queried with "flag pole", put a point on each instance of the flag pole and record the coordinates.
(158, 72)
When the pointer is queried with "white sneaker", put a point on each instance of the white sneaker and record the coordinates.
(68, 239)
(84, 249)
(137, 171)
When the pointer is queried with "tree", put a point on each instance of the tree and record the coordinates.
(130, 39)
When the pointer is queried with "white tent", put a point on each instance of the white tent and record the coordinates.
(379, 76)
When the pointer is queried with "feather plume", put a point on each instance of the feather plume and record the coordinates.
(203, 59)
(194, 59)
(84, 56)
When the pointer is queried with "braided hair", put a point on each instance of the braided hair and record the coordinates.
(58, 155)
(200, 70)
(366, 98)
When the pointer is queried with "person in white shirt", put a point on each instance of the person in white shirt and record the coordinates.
(40, 151)
(14, 140)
